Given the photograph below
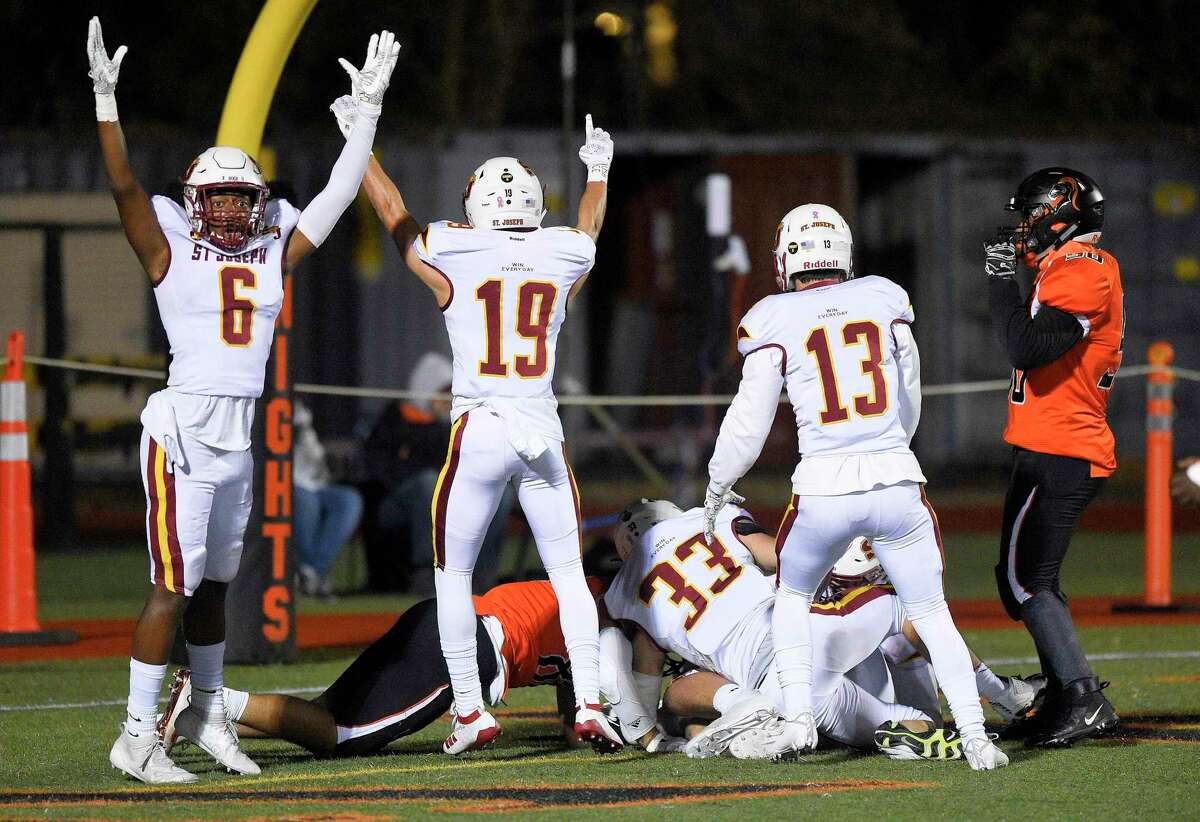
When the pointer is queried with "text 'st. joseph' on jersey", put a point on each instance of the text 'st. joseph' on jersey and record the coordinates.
(1060, 408)
(218, 308)
(508, 301)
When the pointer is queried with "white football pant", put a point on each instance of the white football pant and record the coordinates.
(903, 531)
(480, 462)
(196, 513)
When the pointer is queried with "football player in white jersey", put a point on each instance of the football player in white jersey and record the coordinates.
(217, 266)
(843, 349)
(711, 604)
(502, 283)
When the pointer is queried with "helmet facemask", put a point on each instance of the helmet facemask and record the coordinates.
(229, 229)
(224, 170)
(1056, 205)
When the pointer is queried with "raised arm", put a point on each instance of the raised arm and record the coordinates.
(389, 206)
(596, 153)
(137, 214)
(368, 86)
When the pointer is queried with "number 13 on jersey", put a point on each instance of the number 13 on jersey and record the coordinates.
(535, 307)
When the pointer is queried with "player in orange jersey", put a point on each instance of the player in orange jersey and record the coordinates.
(400, 683)
(1064, 343)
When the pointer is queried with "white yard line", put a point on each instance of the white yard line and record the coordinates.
(1119, 656)
(104, 703)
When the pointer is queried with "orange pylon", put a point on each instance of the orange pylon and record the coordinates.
(18, 587)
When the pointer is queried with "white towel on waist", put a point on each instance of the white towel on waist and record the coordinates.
(158, 417)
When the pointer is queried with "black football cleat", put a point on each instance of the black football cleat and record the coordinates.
(1083, 713)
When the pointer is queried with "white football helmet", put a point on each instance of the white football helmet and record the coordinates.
(222, 169)
(504, 193)
(858, 566)
(812, 237)
(639, 518)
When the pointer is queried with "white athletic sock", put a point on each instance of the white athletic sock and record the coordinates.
(991, 687)
(145, 683)
(208, 670)
(726, 697)
(793, 650)
(235, 703)
(579, 623)
(457, 625)
(951, 662)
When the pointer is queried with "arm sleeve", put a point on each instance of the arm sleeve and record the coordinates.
(908, 360)
(749, 419)
(322, 214)
(1030, 342)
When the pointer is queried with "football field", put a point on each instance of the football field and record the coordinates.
(58, 719)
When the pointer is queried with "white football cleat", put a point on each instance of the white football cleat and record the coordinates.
(472, 732)
(592, 726)
(753, 743)
(180, 698)
(216, 737)
(1019, 696)
(146, 760)
(982, 755)
(793, 737)
(745, 714)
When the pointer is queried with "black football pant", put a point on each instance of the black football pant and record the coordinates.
(399, 684)
(1046, 495)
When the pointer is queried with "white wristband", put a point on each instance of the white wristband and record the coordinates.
(598, 173)
(106, 107)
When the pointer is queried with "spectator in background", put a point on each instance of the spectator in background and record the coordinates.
(405, 452)
(324, 513)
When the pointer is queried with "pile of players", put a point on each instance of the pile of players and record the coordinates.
(783, 636)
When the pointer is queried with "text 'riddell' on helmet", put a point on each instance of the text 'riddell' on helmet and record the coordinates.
(504, 193)
(1056, 204)
(812, 240)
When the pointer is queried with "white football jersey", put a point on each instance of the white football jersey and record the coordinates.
(840, 370)
(708, 604)
(507, 304)
(219, 309)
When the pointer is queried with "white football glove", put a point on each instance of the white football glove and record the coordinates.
(666, 744)
(596, 152)
(345, 109)
(370, 82)
(103, 71)
(714, 500)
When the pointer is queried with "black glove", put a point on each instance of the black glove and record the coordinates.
(1001, 259)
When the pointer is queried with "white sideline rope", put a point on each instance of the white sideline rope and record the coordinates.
(945, 389)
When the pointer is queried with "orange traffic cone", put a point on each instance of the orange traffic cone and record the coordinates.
(18, 589)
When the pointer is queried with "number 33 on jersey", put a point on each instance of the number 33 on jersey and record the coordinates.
(508, 300)
(219, 309)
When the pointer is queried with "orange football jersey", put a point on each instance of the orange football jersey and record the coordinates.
(1060, 408)
(534, 649)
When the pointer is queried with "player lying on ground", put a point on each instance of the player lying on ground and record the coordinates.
(400, 684)
(843, 349)
(217, 266)
(503, 283)
(711, 604)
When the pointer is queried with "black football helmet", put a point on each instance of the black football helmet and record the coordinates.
(1056, 204)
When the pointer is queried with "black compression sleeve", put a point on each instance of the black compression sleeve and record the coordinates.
(1035, 342)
